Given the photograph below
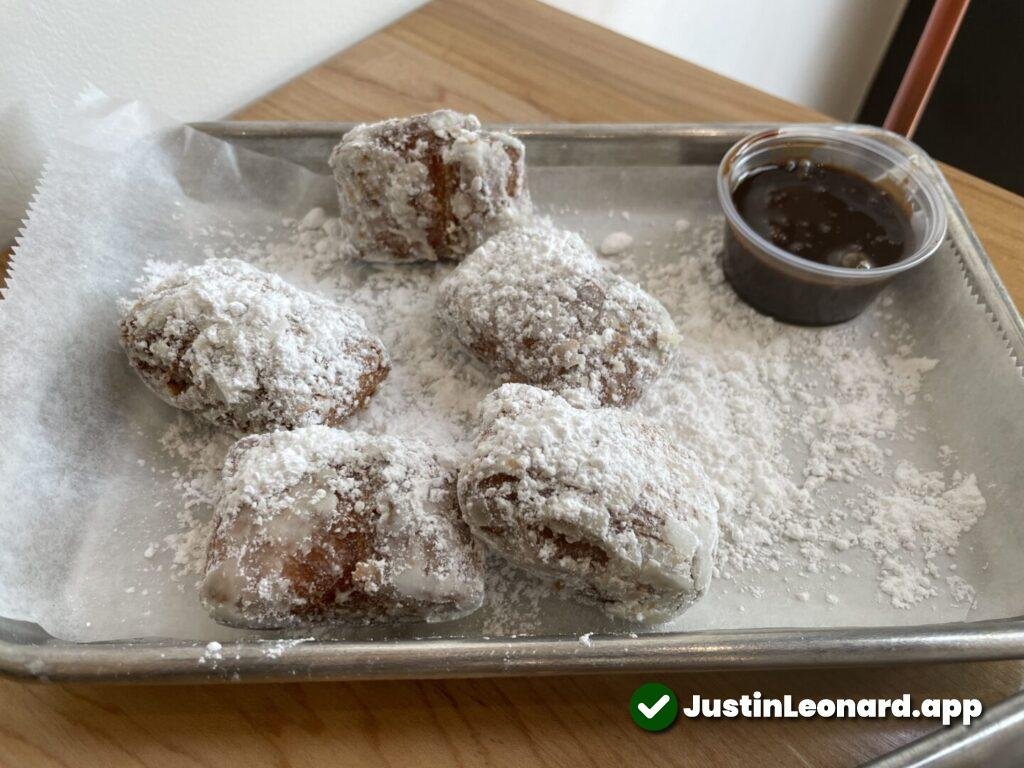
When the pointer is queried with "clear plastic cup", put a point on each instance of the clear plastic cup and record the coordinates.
(797, 290)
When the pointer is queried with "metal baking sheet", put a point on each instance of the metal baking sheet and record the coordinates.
(27, 651)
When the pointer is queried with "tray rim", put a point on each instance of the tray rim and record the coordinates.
(153, 660)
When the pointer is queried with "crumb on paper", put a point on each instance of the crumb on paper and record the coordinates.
(615, 243)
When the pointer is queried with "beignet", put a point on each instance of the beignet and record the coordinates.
(244, 349)
(535, 304)
(319, 525)
(427, 187)
(598, 499)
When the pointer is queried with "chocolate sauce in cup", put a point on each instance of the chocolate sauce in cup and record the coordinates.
(820, 219)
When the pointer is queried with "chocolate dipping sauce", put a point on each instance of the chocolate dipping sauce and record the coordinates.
(819, 219)
(819, 213)
(824, 214)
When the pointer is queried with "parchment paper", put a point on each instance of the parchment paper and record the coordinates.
(85, 487)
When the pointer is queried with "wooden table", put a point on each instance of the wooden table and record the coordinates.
(506, 60)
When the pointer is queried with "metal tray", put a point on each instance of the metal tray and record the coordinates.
(26, 651)
(996, 740)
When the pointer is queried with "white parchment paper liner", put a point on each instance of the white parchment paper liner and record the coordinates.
(85, 487)
(77, 485)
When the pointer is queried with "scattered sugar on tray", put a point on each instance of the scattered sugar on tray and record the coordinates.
(315, 219)
(962, 591)
(925, 514)
(200, 450)
(744, 389)
(512, 599)
(615, 243)
(211, 652)
(907, 373)
(274, 649)
(739, 394)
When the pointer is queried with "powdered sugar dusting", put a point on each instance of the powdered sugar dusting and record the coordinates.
(615, 243)
(427, 187)
(600, 499)
(320, 524)
(535, 303)
(201, 450)
(746, 392)
(802, 432)
(244, 349)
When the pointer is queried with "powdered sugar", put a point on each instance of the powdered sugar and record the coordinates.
(907, 373)
(244, 349)
(924, 514)
(427, 187)
(319, 524)
(599, 499)
(84, 513)
(745, 390)
(535, 303)
(615, 243)
(801, 431)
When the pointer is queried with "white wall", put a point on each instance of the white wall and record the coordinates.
(819, 53)
(194, 59)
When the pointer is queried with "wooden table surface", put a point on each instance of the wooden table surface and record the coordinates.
(505, 60)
